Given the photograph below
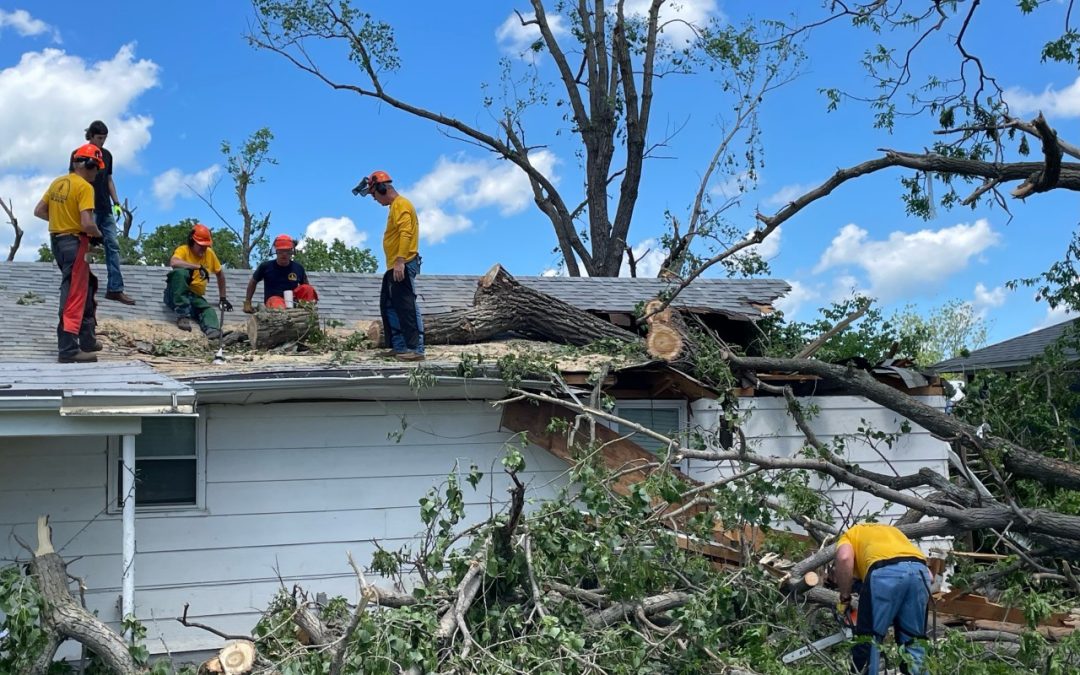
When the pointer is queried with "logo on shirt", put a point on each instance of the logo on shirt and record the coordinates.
(292, 276)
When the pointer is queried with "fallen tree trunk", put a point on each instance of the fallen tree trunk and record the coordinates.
(502, 305)
(64, 618)
(269, 328)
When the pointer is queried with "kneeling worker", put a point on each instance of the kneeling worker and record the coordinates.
(185, 290)
(278, 276)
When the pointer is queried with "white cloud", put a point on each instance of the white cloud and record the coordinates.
(514, 38)
(24, 192)
(907, 262)
(1053, 316)
(786, 194)
(648, 256)
(26, 25)
(328, 229)
(1057, 103)
(731, 187)
(674, 17)
(436, 225)
(769, 248)
(49, 98)
(797, 298)
(470, 184)
(986, 299)
(175, 183)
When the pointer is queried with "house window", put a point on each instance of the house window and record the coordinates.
(168, 464)
(664, 417)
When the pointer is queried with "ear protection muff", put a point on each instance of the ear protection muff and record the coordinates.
(380, 188)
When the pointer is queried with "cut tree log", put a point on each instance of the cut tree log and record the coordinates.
(237, 657)
(502, 305)
(269, 328)
(63, 618)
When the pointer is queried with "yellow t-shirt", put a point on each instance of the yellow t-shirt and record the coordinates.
(874, 542)
(68, 196)
(209, 260)
(402, 232)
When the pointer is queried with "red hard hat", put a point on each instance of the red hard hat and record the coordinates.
(201, 235)
(380, 177)
(91, 151)
(283, 241)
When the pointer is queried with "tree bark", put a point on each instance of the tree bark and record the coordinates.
(15, 243)
(65, 618)
(269, 328)
(502, 305)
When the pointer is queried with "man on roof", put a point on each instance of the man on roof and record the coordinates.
(895, 592)
(402, 323)
(185, 285)
(68, 205)
(278, 276)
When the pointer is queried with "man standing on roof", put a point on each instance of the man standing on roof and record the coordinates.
(107, 213)
(402, 323)
(895, 592)
(68, 205)
(278, 276)
(185, 288)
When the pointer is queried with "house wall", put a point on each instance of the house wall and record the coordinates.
(290, 489)
(771, 431)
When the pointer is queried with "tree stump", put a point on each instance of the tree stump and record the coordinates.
(269, 328)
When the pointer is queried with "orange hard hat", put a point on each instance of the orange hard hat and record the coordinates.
(283, 242)
(201, 235)
(90, 151)
(380, 177)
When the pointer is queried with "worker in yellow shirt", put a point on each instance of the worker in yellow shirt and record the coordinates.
(185, 288)
(402, 323)
(895, 592)
(68, 205)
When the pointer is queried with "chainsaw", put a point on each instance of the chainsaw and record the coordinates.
(846, 621)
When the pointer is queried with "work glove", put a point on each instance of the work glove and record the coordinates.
(118, 212)
(248, 307)
(201, 272)
(225, 305)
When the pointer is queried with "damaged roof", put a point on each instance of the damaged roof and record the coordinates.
(28, 329)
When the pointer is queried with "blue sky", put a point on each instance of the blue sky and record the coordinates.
(172, 80)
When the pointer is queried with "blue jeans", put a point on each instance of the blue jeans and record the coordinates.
(398, 298)
(107, 224)
(894, 595)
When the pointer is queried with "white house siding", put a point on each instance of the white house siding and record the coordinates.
(290, 488)
(771, 431)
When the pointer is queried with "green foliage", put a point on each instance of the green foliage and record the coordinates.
(44, 254)
(316, 256)
(157, 246)
(943, 333)
(21, 605)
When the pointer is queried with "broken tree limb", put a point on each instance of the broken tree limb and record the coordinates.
(269, 328)
(810, 349)
(651, 606)
(63, 617)
(502, 305)
(9, 209)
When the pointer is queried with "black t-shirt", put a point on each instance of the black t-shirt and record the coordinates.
(277, 279)
(102, 198)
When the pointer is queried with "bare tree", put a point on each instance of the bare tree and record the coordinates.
(606, 74)
(10, 211)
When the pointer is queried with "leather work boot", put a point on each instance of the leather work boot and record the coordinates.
(96, 347)
(78, 357)
(183, 323)
(388, 354)
(120, 296)
(410, 356)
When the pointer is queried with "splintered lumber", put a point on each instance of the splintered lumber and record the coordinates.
(502, 305)
(269, 328)
(63, 618)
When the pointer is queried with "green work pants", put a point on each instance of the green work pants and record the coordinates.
(185, 303)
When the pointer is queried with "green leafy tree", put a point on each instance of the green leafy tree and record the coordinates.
(316, 256)
(946, 331)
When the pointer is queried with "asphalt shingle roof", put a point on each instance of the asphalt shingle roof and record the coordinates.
(27, 332)
(1011, 354)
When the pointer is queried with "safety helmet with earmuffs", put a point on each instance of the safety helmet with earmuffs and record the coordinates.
(376, 182)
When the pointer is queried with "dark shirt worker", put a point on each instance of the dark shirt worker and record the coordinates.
(278, 276)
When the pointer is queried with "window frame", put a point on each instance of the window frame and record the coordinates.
(115, 444)
(653, 404)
